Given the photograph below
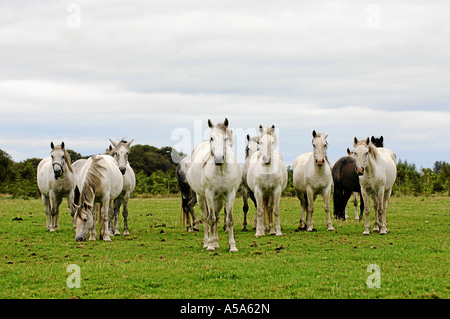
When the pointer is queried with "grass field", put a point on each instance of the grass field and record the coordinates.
(161, 260)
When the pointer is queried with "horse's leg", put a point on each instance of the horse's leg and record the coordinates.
(269, 215)
(252, 197)
(105, 217)
(70, 199)
(126, 232)
(204, 210)
(383, 229)
(303, 205)
(268, 220)
(93, 234)
(366, 200)
(115, 215)
(230, 222)
(355, 203)
(310, 211)
(212, 222)
(259, 213)
(361, 206)
(245, 207)
(191, 211)
(58, 203)
(46, 202)
(326, 198)
(276, 210)
(53, 210)
(377, 204)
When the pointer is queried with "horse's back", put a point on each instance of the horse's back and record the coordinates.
(390, 167)
(114, 178)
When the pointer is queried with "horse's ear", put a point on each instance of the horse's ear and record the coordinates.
(248, 137)
(326, 135)
(314, 133)
(62, 145)
(273, 128)
(368, 141)
(261, 129)
(113, 143)
(225, 122)
(348, 151)
(210, 124)
(381, 138)
(129, 143)
(110, 148)
(52, 145)
(355, 141)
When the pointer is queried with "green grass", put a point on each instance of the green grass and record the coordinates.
(161, 260)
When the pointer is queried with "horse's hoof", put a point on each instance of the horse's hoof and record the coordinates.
(279, 235)
(209, 248)
(117, 233)
(331, 229)
(233, 249)
(312, 230)
(196, 229)
(244, 229)
(107, 238)
(366, 233)
(126, 233)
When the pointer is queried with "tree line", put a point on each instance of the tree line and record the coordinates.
(156, 175)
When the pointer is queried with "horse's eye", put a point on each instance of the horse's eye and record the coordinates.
(212, 139)
(314, 145)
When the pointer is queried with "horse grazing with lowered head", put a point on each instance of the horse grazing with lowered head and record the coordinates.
(56, 180)
(99, 180)
(267, 178)
(215, 175)
(312, 176)
(120, 153)
(377, 171)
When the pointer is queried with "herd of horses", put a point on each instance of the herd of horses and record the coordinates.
(211, 176)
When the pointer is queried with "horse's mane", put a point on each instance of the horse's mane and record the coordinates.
(93, 180)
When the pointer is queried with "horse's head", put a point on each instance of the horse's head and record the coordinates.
(362, 150)
(84, 220)
(58, 156)
(220, 138)
(320, 146)
(377, 141)
(252, 146)
(120, 153)
(267, 141)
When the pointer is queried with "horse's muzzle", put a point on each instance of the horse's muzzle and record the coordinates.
(219, 160)
(123, 170)
(319, 162)
(267, 160)
(360, 171)
(80, 238)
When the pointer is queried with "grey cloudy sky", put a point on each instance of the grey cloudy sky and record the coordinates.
(87, 71)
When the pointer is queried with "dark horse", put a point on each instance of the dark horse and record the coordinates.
(346, 181)
(188, 199)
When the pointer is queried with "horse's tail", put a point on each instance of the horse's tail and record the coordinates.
(100, 220)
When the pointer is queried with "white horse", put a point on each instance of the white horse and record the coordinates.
(120, 154)
(377, 170)
(267, 178)
(251, 148)
(56, 180)
(214, 175)
(99, 180)
(312, 176)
